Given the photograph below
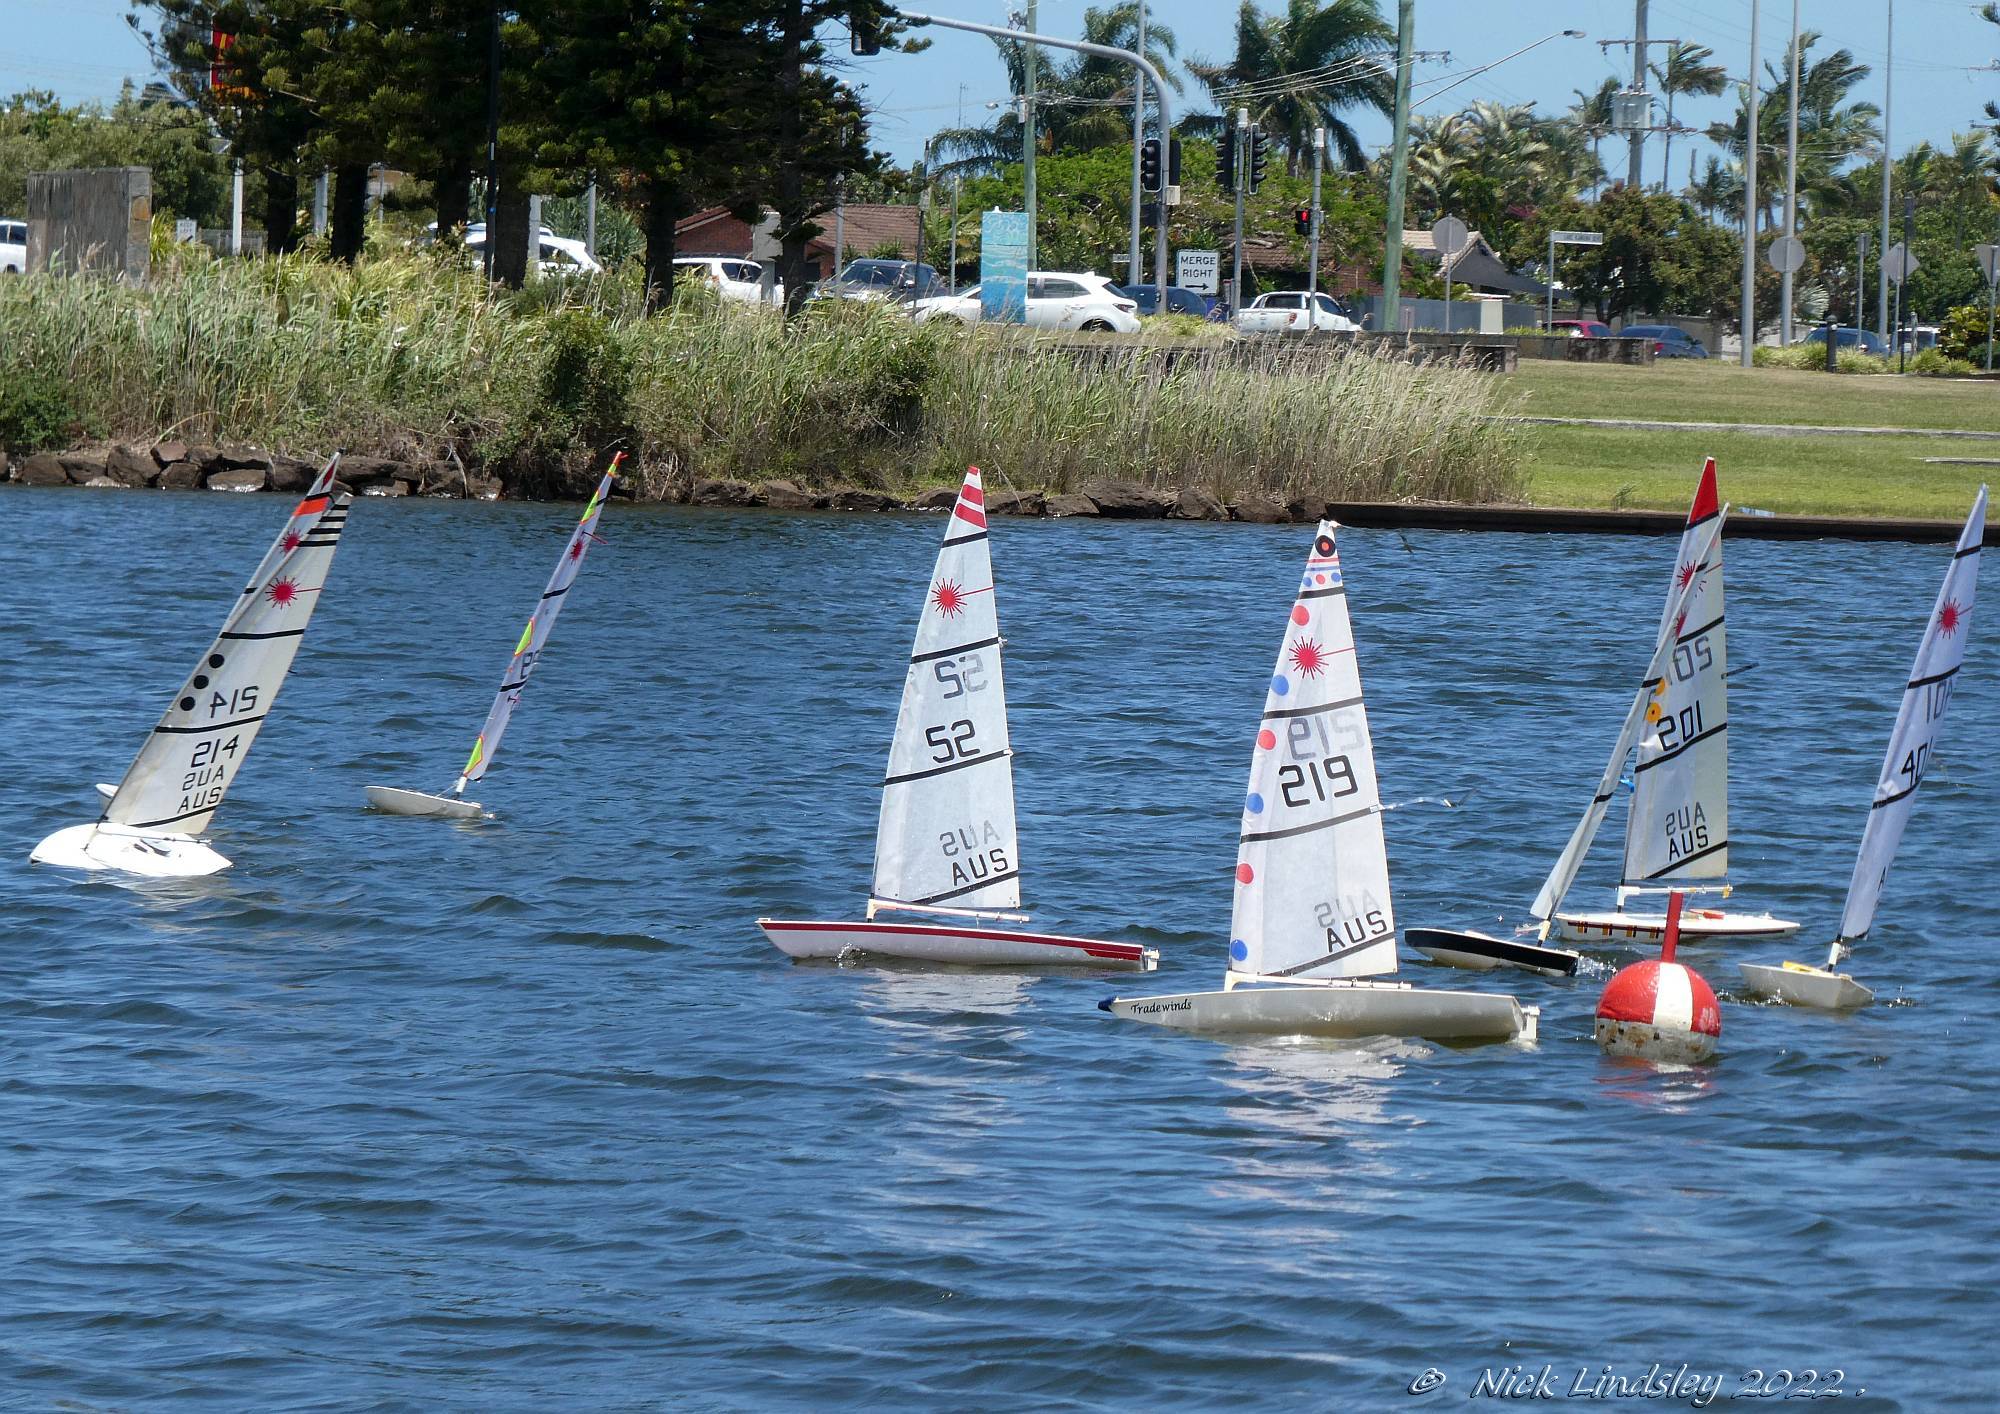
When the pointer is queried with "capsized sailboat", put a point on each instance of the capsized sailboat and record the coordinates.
(945, 847)
(1919, 720)
(1313, 925)
(153, 817)
(451, 804)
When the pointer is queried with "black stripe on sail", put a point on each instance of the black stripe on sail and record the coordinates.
(1247, 837)
(968, 889)
(1892, 799)
(1703, 520)
(213, 726)
(1329, 591)
(171, 819)
(948, 652)
(1968, 550)
(1934, 677)
(964, 539)
(944, 770)
(274, 633)
(1312, 711)
(1684, 861)
(1698, 632)
(1333, 956)
(1694, 740)
(558, 593)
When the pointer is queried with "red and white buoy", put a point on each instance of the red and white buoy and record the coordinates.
(1660, 1010)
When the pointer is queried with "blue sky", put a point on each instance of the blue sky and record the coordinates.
(83, 48)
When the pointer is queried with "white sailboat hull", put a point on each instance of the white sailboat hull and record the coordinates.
(1479, 952)
(1698, 925)
(154, 856)
(935, 942)
(391, 801)
(1796, 984)
(1341, 1010)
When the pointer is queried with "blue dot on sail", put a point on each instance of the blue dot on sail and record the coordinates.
(1255, 804)
(1239, 951)
(1281, 684)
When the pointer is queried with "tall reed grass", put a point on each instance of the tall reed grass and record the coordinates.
(409, 355)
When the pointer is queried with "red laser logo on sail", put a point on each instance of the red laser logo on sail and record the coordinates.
(1684, 575)
(1308, 657)
(1950, 617)
(292, 541)
(282, 591)
(949, 598)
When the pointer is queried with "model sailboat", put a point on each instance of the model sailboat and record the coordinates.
(1919, 720)
(1677, 827)
(452, 804)
(153, 818)
(945, 846)
(1313, 923)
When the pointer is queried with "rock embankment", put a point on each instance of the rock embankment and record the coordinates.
(180, 466)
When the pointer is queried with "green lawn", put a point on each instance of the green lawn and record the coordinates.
(1884, 476)
(1690, 390)
(1594, 467)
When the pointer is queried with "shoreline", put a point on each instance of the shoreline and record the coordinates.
(241, 470)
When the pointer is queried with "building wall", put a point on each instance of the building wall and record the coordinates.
(97, 219)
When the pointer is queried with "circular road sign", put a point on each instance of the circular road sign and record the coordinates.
(1449, 235)
(1787, 254)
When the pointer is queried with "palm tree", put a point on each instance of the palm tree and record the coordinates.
(1591, 116)
(1831, 130)
(1081, 104)
(1720, 188)
(1960, 178)
(1300, 70)
(1687, 70)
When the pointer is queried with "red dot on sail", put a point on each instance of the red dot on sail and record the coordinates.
(292, 541)
(949, 598)
(1950, 617)
(1266, 739)
(282, 592)
(1301, 614)
(1244, 873)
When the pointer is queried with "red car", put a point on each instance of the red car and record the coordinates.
(1581, 328)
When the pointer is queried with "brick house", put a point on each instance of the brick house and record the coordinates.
(865, 229)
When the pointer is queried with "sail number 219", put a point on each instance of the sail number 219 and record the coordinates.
(1317, 780)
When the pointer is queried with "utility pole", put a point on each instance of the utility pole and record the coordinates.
(1312, 271)
(954, 233)
(1240, 135)
(1399, 168)
(1888, 171)
(1748, 317)
(492, 140)
(1028, 138)
(1139, 137)
(1860, 277)
(1637, 160)
(590, 218)
(236, 210)
(1909, 260)
(1791, 186)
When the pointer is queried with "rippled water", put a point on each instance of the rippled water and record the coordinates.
(405, 1113)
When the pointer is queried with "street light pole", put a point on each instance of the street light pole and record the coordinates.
(1028, 139)
(1748, 316)
(1888, 171)
(1240, 135)
(1103, 51)
(1635, 163)
(1132, 268)
(1319, 161)
(1399, 168)
(1791, 186)
(492, 141)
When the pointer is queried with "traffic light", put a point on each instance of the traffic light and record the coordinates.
(1260, 153)
(1173, 162)
(864, 30)
(1149, 164)
(1225, 162)
(1302, 217)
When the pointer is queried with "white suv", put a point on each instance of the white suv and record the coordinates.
(1056, 300)
(733, 278)
(13, 246)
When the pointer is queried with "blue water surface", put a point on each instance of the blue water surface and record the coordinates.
(405, 1114)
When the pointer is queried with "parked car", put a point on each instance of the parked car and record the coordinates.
(1294, 312)
(901, 280)
(1056, 300)
(1581, 328)
(733, 278)
(13, 246)
(559, 255)
(1179, 300)
(1668, 341)
(1866, 340)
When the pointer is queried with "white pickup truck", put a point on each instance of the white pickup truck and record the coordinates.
(1294, 312)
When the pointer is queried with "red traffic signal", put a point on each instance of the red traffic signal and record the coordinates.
(1302, 217)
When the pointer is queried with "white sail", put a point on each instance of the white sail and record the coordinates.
(1678, 824)
(1651, 686)
(946, 833)
(189, 762)
(1312, 870)
(1918, 722)
(535, 636)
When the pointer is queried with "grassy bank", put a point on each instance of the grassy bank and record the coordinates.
(407, 357)
(1821, 475)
